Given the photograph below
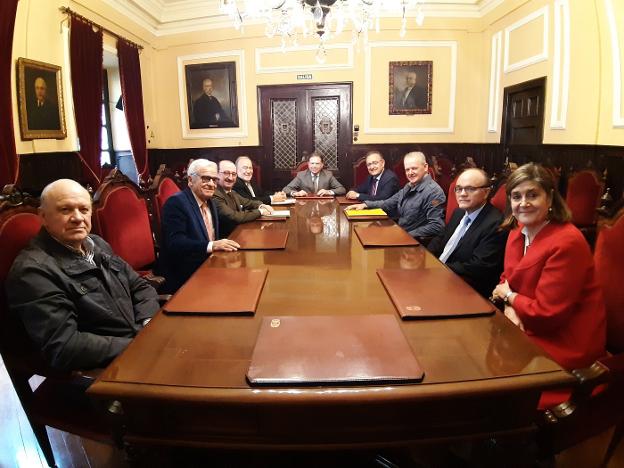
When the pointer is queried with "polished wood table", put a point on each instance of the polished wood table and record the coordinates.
(182, 380)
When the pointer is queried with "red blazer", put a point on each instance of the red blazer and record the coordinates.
(559, 299)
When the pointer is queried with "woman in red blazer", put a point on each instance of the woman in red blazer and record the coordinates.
(549, 285)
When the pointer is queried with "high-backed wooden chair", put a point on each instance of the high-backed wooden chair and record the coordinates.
(583, 197)
(597, 402)
(499, 199)
(163, 186)
(257, 172)
(360, 172)
(451, 201)
(121, 217)
(59, 401)
(302, 166)
(399, 169)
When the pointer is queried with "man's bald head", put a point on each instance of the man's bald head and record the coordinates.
(65, 212)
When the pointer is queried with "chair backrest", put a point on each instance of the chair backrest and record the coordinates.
(609, 261)
(121, 217)
(163, 186)
(303, 165)
(499, 199)
(399, 169)
(451, 201)
(583, 196)
(257, 173)
(360, 172)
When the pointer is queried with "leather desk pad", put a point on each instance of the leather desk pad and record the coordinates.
(219, 291)
(384, 236)
(313, 350)
(432, 293)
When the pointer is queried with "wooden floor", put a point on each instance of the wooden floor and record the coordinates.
(19, 448)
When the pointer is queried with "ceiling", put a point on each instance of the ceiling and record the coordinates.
(165, 17)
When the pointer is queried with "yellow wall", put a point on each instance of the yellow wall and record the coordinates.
(478, 91)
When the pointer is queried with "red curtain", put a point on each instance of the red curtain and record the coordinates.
(86, 55)
(132, 93)
(8, 155)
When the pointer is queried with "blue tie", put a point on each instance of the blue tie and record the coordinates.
(455, 238)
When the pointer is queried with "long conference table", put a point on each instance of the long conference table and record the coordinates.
(182, 380)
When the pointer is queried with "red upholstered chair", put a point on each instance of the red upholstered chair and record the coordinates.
(597, 402)
(121, 217)
(360, 172)
(399, 170)
(257, 173)
(499, 199)
(451, 201)
(303, 165)
(583, 197)
(59, 400)
(162, 188)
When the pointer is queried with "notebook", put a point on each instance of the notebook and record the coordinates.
(345, 201)
(260, 239)
(277, 215)
(366, 215)
(384, 236)
(432, 293)
(352, 349)
(288, 201)
(312, 196)
(219, 291)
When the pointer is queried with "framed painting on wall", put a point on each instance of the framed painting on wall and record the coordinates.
(211, 95)
(40, 100)
(410, 87)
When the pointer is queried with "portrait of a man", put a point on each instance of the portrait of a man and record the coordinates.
(40, 100)
(410, 87)
(211, 95)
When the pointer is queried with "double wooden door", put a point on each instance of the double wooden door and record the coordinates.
(296, 120)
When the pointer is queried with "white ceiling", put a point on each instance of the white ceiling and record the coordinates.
(164, 17)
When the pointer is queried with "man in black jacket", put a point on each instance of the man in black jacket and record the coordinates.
(381, 183)
(245, 187)
(80, 303)
(472, 244)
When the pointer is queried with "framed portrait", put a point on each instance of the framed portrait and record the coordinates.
(211, 95)
(410, 87)
(40, 100)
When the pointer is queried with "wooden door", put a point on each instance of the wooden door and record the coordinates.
(296, 120)
(523, 113)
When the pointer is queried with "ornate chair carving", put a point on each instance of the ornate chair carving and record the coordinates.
(121, 217)
(583, 197)
(360, 172)
(596, 403)
(59, 400)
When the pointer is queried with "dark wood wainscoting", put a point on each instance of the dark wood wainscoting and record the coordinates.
(36, 170)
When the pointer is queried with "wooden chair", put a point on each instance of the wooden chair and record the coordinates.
(303, 165)
(121, 217)
(499, 199)
(59, 401)
(163, 186)
(399, 169)
(583, 197)
(360, 172)
(597, 401)
(451, 201)
(257, 173)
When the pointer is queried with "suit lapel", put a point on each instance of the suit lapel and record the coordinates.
(197, 217)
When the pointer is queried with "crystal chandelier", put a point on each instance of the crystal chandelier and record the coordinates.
(292, 19)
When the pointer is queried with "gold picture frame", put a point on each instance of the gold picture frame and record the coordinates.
(40, 100)
(410, 84)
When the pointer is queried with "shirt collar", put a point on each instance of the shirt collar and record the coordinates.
(88, 246)
(474, 214)
(200, 203)
(525, 231)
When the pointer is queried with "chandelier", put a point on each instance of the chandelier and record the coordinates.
(294, 19)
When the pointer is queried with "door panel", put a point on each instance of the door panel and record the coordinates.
(296, 120)
(524, 113)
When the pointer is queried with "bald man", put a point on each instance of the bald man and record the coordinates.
(473, 245)
(79, 302)
(43, 113)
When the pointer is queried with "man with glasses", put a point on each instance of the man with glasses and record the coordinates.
(381, 183)
(190, 226)
(419, 205)
(247, 189)
(473, 245)
(233, 208)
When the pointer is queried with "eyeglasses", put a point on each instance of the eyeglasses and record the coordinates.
(204, 178)
(469, 189)
(228, 173)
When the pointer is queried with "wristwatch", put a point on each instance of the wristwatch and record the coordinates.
(507, 296)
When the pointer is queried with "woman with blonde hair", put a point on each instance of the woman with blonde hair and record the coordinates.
(549, 284)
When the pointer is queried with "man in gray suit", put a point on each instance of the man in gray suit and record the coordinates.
(314, 180)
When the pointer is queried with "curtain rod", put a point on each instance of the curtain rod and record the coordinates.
(68, 11)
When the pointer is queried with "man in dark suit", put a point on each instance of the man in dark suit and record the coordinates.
(207, 110)
(473, 245)
(412, 96)
(233, 208)
(381, 184)
(43, 114)
(190, 226)
(314, 180)
(246, 188)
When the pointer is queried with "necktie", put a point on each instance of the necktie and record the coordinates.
(407, 91)
(455, 238)
(205, 212)
(315, 179)
(250, 188)
(375, 182)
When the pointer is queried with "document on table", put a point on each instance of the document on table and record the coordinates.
(288, 201)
